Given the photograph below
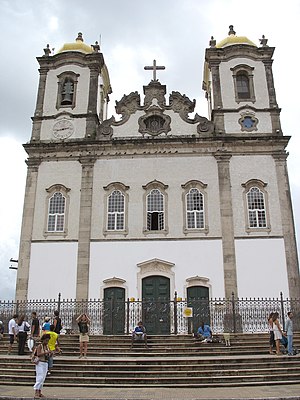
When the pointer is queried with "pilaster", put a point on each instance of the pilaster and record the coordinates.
(227, 226)
(84, 234)
(91, 121)
(36, 128)
(288, 227)
(26, 230)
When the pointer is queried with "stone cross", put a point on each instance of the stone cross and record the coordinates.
(154, 68)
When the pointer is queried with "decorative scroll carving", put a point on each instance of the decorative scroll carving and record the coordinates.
(182, 105)
(128, 104)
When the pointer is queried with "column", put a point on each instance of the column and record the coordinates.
(227, 227)
(288, 228)
(84, 234)
(26, 230)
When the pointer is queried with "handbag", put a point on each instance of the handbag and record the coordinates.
(34, 358)
(26, 327)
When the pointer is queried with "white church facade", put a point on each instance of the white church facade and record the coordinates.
(157, 202)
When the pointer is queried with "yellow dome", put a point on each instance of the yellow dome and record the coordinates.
(233, 39)
(78, 45)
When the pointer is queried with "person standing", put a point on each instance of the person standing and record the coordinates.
(12, 331)
(53, 346)
(83, 324)
(277, 332)
(1, 329)
(57, 322)
(289, 332)
(35, 326)
(23, 328)
(43, 352)
(271, 340)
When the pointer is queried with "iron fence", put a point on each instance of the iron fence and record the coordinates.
(177, 316)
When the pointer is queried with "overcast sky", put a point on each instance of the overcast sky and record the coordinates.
(133, 33)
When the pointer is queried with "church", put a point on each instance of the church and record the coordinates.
(155, 201)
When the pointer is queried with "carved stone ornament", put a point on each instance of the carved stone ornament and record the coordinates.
(154, 123)
(128, 104)
(155, 92)
(182, 105)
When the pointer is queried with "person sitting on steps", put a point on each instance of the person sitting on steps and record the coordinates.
(139, 333)
(204, 333)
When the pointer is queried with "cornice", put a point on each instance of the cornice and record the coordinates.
(170, 147)
(217, 55)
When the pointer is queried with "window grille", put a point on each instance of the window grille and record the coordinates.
(116, 211)
(256, 208)
(56, 213)
(155, 210)
(195, 209)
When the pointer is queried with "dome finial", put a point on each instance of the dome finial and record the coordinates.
(79, 37)
(231, 30)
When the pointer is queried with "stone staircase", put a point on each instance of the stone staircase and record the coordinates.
(170, 361)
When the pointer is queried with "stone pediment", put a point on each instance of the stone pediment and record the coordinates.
(155, 117)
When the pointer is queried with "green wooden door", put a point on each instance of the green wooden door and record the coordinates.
(198, 298)
(114, 311)
(156, 304)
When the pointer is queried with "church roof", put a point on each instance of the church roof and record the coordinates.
(232, 39)
(78, 45)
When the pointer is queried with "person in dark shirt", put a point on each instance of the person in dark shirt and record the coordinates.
(57, 322)
(35, 325)
(83, 325)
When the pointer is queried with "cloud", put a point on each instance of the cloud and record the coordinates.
(173, 32)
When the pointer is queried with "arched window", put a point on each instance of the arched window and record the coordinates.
(67, 85)
(242, 86)
(256, 208)
(67, 92)
(56, 213)
(194, 198)
(243, 83)
(115, 211)
(194, 209)
(155, 211)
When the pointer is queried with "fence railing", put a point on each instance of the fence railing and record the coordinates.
(160, 316)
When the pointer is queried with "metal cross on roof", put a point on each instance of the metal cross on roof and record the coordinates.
(154, 68)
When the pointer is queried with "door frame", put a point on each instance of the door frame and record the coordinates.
(155, 266)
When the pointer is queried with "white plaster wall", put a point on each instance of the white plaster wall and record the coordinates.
(120, 258)
(51, 173)
(47, 128)
(53, 270)
(244, 168)
(232, 125)
(138, 171)
(82, 91)
(259, 81)
(261, 268)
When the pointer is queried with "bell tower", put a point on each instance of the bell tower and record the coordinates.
(73, 92)
(239, 86)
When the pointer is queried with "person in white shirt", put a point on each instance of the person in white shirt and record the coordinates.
(12, 331)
